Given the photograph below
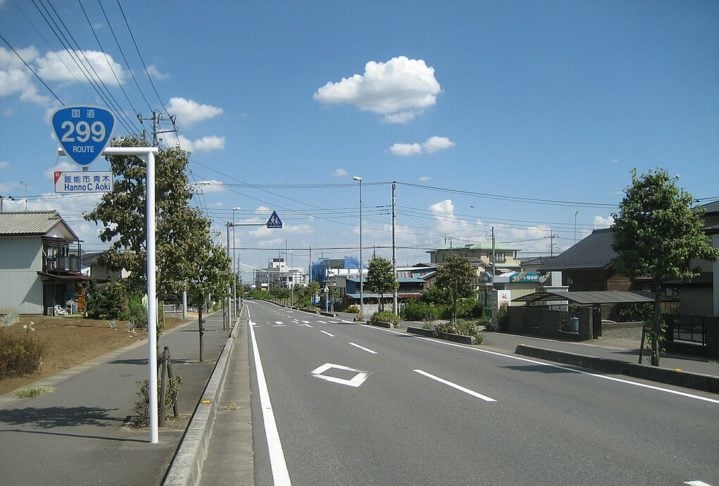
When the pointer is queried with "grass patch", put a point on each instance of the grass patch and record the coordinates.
(33, 391)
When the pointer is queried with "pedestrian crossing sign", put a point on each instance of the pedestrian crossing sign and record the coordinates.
(274, 222)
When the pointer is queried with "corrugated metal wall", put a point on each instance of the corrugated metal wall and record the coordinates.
(20, 285)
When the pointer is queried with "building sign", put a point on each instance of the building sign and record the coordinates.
(525, 277)
(504, 296)
(82, 182)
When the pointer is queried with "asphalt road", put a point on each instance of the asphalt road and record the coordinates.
(354, 404)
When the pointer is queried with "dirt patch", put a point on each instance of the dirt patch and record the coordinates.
(72, 341)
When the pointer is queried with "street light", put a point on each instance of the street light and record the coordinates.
(234, 268)
(359, 179)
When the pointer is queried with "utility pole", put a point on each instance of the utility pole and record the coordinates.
(551, 242)
(395, 306)
(156, 118)
(494, 259)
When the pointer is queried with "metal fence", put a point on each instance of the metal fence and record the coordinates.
(688, 328)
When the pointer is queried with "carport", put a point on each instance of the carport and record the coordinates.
(550, 323)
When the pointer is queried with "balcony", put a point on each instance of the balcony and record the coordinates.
(61, 259)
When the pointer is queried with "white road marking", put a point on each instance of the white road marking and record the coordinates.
(279, 325)
(305, 325)
(456, 387)
(279, 322)
(322, 322)
(325, 332)
(355, 382)
(280, 474)
(697, 483)
(363, 348)
(305, 322)
(581, 372)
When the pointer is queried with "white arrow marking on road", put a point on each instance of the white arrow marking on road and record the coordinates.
(325, 332)
(456, 387)
(363, 348)
(355, 382)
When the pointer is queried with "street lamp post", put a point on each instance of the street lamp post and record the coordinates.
(234, 268)
(359, 179)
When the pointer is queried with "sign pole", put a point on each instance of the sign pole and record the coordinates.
(148, 155)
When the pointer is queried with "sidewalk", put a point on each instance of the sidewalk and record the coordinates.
(78, 434)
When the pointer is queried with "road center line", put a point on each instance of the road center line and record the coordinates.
(280, 474)
(456, 387)
(325, 332)
(363, 348)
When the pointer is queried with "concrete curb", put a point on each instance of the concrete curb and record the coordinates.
(668, 376)
(187, 463)
(457, 338)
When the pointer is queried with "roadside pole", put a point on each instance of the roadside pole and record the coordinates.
(148, 155)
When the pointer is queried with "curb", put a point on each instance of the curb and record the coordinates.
(187, 464)
(457, 338)
(696, 381)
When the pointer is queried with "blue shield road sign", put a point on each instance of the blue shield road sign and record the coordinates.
(274, 222)
(83, 131)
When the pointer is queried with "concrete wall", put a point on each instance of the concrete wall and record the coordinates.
(20, 260)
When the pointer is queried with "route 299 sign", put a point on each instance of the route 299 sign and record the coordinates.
(83, 131)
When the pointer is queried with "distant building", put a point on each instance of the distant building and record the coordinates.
(279, 275)
(480, 256)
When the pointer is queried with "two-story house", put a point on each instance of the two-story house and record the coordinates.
(480, 255)
(39, 262)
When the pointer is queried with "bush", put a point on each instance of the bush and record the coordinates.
(142, 405)
(462, 327)
(20, 355)
(418, 310)
(109, 303)
(385, 316)
(353, 309)
(136, 312)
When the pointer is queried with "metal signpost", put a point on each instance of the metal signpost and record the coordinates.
(83, 132)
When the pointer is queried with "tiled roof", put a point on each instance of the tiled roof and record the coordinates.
(712, 207)
(593, 252)
(30, 223)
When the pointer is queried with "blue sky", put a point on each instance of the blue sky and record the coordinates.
(520, 115)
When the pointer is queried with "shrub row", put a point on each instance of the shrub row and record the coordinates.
(19, 355)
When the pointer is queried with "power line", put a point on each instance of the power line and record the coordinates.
(137, 48)
(31, 70)
(109, 64)
(122, 53)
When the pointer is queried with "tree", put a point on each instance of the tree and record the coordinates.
(122, 214)
(657, 235)
(381, 278)
(457, 278)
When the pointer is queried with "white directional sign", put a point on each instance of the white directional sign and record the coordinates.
(79, 182)
(83, 131)
(274, 222)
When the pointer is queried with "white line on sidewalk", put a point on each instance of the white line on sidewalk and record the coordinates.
(280, 474)
(363, 348)
(325, 332)
(456, 387)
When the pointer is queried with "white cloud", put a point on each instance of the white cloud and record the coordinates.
(204, 144)
(63, 166)
(61, 66)
(406, 149)
(16, 79)
(603, 222)
(399, 89)
(424, 179)
(339, 173)
(4, 164)
(155, 73)
(208, 186)
(431, 145)
(189, 111)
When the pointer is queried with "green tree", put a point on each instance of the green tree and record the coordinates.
(381, 278)
(121, 212)
(457, 278)
(657, 235)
